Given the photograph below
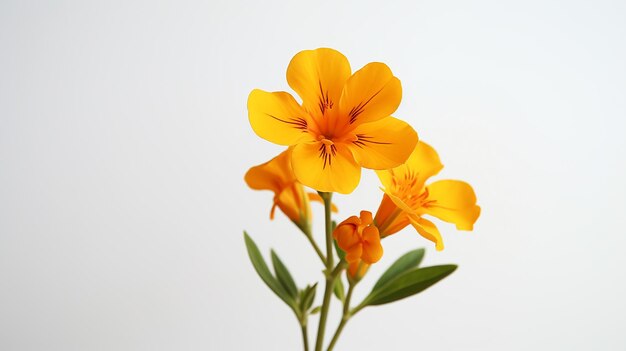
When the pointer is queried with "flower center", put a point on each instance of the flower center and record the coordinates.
(406, 188)
(327, 150)
(325, 141)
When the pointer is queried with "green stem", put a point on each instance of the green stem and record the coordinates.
(329, 229)
(339, 268)
(317, 248)
(330, 276)
(305, 337)
(324, 314)
(358, 308)
(344, 319)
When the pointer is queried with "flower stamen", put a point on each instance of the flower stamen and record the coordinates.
(327, 150)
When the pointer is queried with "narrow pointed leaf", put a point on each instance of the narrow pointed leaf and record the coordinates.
(308, 296)
(408, 284)
(338, 289)
(311, 297)
(284, 277)
(261, 268)
(316, 310)
(408, 261)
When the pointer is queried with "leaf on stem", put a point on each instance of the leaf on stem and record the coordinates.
(408, 284)
(338, 289)
(409, 260)
(307, 296)
(263, 271)
(284, 277)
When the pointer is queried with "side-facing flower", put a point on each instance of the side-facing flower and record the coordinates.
(407, 199)
(289, 195)
(343, 124)
(359, 238)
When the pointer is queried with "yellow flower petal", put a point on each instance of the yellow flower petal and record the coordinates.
(422, 164)
(398, 202)
(384, 144)
(452, 201)
(277, 117)
(272, 175)
(326, 168)
(424, 161)
(428, 230)
(386, 178)
(370, 94)
(318, 76)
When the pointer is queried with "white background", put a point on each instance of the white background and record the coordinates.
(124, 140)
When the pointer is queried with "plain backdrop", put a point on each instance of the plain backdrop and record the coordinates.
(124, 139)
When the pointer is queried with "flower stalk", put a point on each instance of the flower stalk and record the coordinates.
(327, 197)
(305, 336)
(331, 274)
(317, 249)
(344, 318)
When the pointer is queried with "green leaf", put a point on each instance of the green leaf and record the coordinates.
(317, 309)
(261, 268)
(408, 284)
(408, 261)
(338, 289)
(307, 297)
(284, 277)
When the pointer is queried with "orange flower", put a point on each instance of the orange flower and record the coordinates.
(343, 123)
(289, 195)
(360, 240)
(389, 218)
(407, 199)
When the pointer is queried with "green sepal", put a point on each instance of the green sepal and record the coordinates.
(338, 289)
(408, 284)
(408, 261)
(263, 271)
(284, 277)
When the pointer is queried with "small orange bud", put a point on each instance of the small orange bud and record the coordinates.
(360, 240)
